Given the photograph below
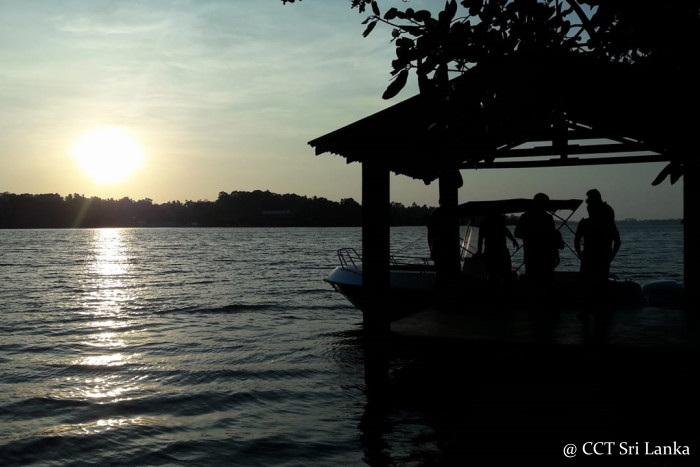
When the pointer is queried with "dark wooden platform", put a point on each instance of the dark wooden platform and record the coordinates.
(634, 327)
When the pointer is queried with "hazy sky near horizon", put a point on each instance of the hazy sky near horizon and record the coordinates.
(223, 96)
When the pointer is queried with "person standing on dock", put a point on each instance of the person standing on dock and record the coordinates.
(541, 241)
(493, 233)
(440, 241)
(597, 239)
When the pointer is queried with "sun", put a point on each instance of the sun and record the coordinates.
(108, 154)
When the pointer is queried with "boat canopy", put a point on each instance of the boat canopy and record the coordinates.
(512, 206)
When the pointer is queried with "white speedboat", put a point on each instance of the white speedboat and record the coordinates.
(412, 280)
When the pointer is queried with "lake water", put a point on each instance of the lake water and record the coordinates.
(219, 347)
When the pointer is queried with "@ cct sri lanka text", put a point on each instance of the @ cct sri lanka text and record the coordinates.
(625, 448)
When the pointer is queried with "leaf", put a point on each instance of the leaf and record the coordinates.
(674, 169)
(391, 13)
(474, 6)
(423, 15)
(676, 173)
(369, 29)
(405, 54)
(396, 85)
(375, 8)
(413, 30)
(451, 9)
(404, 42)
(662, 175)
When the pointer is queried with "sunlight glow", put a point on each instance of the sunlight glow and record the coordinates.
(108, 154)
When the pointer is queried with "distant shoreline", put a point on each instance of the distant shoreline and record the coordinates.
(651, 221)
(644, 221)
(235, 209)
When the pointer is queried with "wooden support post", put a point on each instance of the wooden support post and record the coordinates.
(375, 246)
(449, 271)
(691, 232)
(450, 182)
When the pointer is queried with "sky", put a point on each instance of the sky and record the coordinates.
(213, 96)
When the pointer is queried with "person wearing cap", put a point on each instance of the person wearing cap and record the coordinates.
(597, 239)
(541, 240)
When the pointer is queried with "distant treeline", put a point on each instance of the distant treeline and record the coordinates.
(235, 209)
(650, 221)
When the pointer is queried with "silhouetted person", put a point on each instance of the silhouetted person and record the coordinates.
(541, 241)
(444, 253)
(493, 234)
(597, 240)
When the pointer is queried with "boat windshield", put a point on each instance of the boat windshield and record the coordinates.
(473, 212)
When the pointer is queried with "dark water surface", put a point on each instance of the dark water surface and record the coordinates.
(225, 347)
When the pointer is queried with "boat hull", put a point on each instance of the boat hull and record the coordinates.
(414, 290)
(411, 289)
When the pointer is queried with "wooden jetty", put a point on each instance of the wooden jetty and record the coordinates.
(508, 383)
(633, 327)
(540, 122)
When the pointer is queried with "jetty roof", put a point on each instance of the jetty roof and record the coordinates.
(527, 111)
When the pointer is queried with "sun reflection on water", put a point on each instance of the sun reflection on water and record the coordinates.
(108, 292)
(116, 359)
(107, 272)
(110, 251)
(100, 425)
(107, 340)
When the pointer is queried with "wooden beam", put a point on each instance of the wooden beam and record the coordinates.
(568, 162)
(691, 230)
(571, 149)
